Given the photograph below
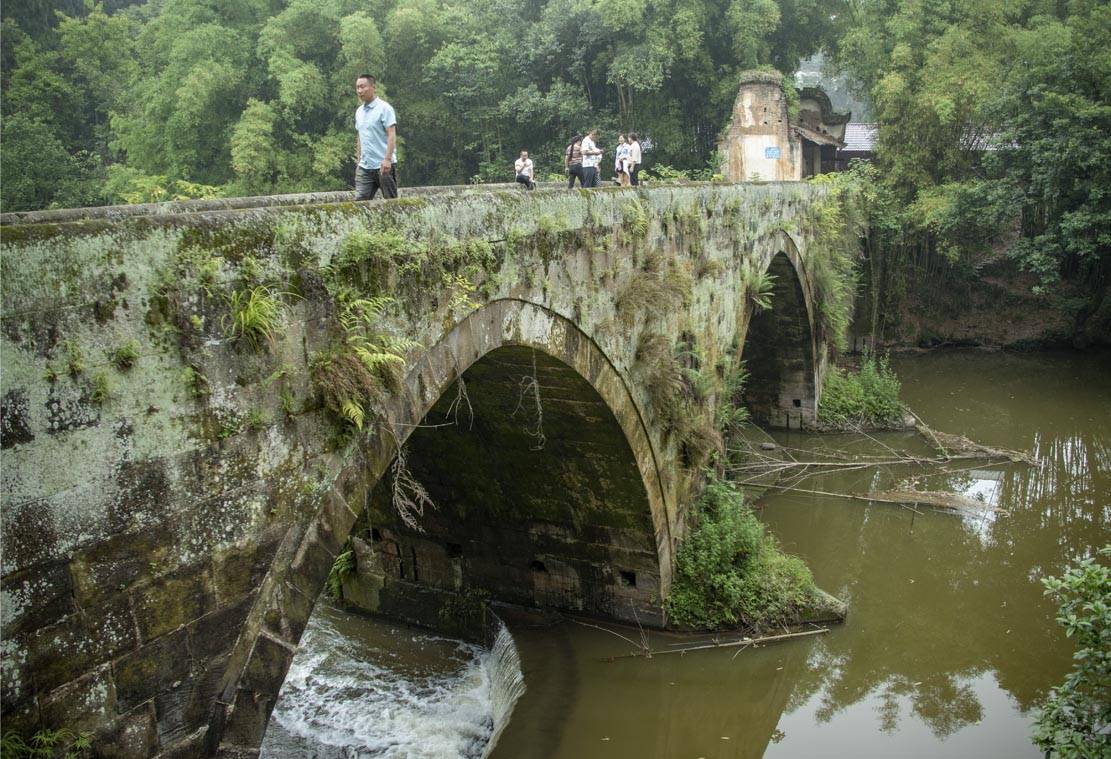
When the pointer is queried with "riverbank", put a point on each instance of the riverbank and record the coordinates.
(994, 308)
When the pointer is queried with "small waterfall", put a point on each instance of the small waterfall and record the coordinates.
(361, 688)
(507, 683)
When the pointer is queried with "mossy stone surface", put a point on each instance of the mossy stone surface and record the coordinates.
(164, 485)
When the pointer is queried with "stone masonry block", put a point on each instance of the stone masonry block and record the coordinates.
(215, 634)
(86, 704)
(151, 669)
(314, 557)
(189, 747)
(288, 618)
(67, 650)
(118, 562)
(143, 488)
(355, 487)
(17, 686)
(169, 602)
(133, 735)
(29, 534)
(35, 597)
(241, 569)
(267, 666)
(338, 516)
(172, 710)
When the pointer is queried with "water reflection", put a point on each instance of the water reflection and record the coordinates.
(944, 607)
(949, 641)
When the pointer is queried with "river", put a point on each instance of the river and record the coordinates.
(948, 646)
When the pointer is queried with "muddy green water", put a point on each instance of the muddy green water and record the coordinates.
(948, 646)
(949, 643)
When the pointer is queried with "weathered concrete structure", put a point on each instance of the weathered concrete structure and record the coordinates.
(196, 410)
(762, 143)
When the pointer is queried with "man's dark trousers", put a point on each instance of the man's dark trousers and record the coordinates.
(369, 181)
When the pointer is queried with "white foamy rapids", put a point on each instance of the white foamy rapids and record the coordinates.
(343, 701)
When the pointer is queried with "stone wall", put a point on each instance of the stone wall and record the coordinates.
(174, 492)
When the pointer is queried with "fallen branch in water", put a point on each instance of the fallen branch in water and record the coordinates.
(744, 642)
(948, 501)
(939, 499)
(645, 651)
(959, 447)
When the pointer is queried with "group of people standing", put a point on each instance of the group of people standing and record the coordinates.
(376, 151)
(583, 160)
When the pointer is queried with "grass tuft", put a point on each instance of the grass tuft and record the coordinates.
(125, 356)
(255, 314)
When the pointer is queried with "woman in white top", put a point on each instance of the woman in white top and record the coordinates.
(523, 167)
(620, 170)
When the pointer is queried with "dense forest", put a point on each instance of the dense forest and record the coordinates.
(994, 115)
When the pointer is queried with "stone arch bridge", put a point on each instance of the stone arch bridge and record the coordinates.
(199, 407)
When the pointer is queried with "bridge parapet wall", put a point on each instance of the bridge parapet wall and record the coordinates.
(173, 493)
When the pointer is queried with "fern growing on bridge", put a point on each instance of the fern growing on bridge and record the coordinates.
(354, 374)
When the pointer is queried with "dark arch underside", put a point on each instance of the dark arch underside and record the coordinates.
(561, 520)
(779, 354)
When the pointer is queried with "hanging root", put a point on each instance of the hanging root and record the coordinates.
(409, 496)
(461, 398)
(531, 386)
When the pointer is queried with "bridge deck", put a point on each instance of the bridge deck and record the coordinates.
(181, 207)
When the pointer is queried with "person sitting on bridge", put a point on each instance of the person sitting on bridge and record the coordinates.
(376, 145)
(525, 172)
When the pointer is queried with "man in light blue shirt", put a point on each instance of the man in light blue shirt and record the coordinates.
(376, 146)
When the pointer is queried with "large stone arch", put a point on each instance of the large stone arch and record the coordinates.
(781, 344)
(265, 649)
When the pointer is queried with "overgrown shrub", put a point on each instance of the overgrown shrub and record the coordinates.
(868, 397)
(1076, 718)
(839, 222)
(730, 572)
(658, 289)
(349, 377)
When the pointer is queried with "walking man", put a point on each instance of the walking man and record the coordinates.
(592, 158)
(633, 159)
(376, 146)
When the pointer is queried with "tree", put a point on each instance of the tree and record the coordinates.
(256, 96)
(1076, 718)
